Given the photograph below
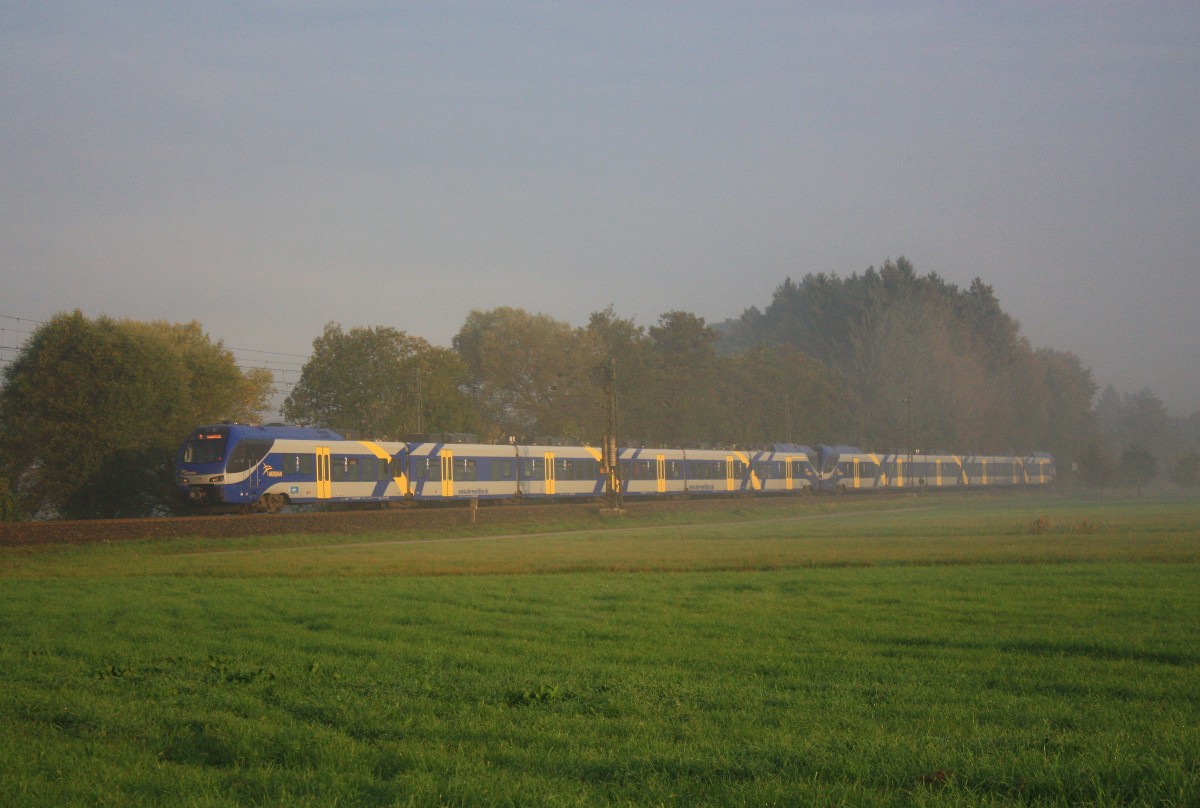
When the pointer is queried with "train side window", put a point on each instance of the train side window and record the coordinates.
(370, 469)
(247, 454)
(465, 469)
(637, 470)
(299, 464)
(427, 468)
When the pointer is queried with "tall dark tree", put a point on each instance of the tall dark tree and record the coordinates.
(1067, 425)
(8, 505)
(683, 359)
(624, 344)
(1138, 466)
(1097, 467)
(1138, 419)
(777, 393)
(1185, 470)
(903, 342)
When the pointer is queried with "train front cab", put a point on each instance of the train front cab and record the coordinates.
(254, 467)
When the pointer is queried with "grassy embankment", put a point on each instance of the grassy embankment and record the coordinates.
(938, 650)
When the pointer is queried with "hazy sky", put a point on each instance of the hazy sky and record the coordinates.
(265, 168)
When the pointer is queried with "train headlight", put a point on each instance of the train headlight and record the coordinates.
(220, 478)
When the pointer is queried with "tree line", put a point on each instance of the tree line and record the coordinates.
(92, 409)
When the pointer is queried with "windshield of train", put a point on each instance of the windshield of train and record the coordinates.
(206, 447)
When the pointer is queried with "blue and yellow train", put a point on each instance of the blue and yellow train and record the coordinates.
(267, 468)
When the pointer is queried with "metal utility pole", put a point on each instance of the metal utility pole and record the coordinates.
(908, 445)
(611, 455)
(420, 399)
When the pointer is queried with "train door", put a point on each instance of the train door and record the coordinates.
(855, 473)
(661, 472)
(787, 473)
(551, 479)
(447, 458)
(324, 486)
(729, 473)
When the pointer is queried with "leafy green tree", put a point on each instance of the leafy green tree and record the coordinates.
(1138, 466)
(530, 374)
(1097, 468)
(442, 403)
(778, 393)
(214, 383)
(619, 340)
(8, 505)
(377, 383)
(1138, 419)
(1185, 470)
(87, 400)
(1066, 424)
(684, 368)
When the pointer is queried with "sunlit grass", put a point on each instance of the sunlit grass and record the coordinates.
(825, 532)
(938, 653)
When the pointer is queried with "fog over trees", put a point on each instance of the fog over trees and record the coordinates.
(886, 359)
(927, 363)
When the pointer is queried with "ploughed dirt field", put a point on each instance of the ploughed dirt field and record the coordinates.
(347, 522)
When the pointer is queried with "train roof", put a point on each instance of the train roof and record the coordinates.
(791, 448)
(270, 432)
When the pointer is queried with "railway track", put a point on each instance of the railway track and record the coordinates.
(59, 532)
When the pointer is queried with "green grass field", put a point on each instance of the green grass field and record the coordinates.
(1026, 650)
